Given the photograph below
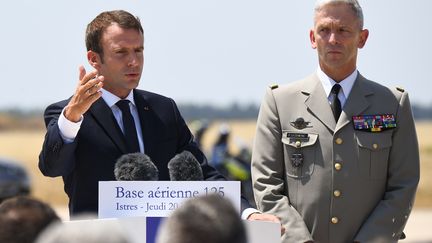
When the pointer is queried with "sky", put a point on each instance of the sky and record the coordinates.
(204, 51)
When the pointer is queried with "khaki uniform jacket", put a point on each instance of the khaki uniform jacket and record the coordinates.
(353, 185)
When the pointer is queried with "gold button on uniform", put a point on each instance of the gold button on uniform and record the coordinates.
(334, 220)
(338, 166)
(339, 141)
(375, 146)
(337, 193)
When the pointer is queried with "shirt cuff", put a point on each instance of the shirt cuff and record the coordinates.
(68, 129)
(248, 211)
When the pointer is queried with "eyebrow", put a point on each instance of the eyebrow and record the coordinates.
(127, 48)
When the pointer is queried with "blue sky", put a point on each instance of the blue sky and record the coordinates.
(202, 51)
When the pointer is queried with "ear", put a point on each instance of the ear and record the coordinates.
(364, 34)
(312, 39)
(94, 59)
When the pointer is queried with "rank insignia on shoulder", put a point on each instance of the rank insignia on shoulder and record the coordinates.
(400, 89)
(374, 123)
(274, 86)
(300, 123)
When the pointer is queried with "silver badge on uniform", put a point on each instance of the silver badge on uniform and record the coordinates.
(300, 123)
(297, 159)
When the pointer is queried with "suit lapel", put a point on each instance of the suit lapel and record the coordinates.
(146, 115)
(356, 103)
(104, 116)
(317, 102)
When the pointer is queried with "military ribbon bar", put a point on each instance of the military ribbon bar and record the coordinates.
(374, 123)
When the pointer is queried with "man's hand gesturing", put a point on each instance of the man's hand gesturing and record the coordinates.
(87, 92)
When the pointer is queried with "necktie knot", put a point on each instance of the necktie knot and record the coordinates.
(335, 89)
(123, 105)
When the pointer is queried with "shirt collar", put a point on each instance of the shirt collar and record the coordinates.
(328, 82)
(111, 99)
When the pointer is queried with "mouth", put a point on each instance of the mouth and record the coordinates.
(334, 52)
(132, 75)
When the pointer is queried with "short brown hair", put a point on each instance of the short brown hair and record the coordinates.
(96, 28)
(22, 218)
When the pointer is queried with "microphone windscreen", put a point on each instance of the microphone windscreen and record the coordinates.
(135, 167)
(185, 167)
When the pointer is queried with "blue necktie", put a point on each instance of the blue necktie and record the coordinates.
(129, 128)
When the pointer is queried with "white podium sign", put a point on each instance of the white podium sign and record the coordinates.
(119, 199)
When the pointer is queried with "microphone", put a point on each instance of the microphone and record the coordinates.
(185, 167)
(135, 167)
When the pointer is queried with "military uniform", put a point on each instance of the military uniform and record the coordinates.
(336, 182)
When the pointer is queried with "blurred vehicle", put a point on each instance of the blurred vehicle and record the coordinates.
(14, 179)
(233, 167)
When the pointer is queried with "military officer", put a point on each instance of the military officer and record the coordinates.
(335, 154)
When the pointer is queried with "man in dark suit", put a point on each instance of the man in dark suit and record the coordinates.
(108, 117)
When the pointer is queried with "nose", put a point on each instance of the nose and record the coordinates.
(133, 59)
(333, 38)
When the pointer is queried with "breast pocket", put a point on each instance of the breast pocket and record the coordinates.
(374, 150)
(299, 153)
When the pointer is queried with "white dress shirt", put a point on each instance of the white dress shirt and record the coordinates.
(346, 85)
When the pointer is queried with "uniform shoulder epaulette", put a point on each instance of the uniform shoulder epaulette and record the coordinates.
(400, 89)
(274, 86)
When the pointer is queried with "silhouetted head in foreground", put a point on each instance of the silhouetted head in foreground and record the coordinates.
(23, 218)
(209, 219)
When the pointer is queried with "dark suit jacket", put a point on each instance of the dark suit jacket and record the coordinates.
(100, 142)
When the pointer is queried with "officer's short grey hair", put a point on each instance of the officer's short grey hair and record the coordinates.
(354, 4)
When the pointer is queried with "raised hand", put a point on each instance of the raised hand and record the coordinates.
(87, 92)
